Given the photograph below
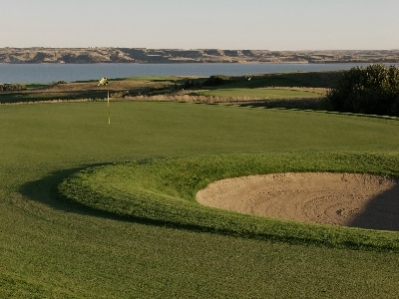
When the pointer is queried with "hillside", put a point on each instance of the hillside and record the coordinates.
(143, 55)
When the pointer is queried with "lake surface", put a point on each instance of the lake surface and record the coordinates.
(46, 73)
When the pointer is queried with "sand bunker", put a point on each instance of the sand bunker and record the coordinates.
(357, 200)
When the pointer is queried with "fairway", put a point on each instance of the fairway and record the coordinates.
(267, 93)
(51, 247)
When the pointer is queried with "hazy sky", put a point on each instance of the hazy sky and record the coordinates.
(198, 24)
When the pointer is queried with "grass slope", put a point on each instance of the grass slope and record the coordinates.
(52, 248)
(163, 191)
(265, 93)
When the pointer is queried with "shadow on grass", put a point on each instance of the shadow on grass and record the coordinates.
(302, 104)
(45, 191)
(12, 98)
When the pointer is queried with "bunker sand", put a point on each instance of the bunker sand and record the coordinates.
(358, 200)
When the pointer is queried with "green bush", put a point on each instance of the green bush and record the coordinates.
(217, 80)
(12, 87)
(190, 83)
(370, 90)
(59, 82)
(119, 94)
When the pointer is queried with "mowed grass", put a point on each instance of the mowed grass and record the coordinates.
(163, 192)
(267, 93)
(52, 248)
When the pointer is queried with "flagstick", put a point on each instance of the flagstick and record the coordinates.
(109, 111)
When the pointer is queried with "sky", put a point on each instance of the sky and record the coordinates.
(278, 25)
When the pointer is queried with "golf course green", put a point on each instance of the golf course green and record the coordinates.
(97, 210)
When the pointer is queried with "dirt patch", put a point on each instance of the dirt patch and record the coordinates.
(358, 200)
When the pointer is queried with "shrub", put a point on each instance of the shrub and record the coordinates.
(372, 90)
(59, 82)
(217, 80)
(12, 87)
(190, 83)
(119, 94)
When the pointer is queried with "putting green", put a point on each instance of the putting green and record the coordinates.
(51, 247)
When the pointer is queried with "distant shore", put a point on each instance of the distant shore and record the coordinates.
(142, 55)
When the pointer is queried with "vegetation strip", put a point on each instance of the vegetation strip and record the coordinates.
(162, 191)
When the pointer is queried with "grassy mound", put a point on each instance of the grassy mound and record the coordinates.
(162, 191)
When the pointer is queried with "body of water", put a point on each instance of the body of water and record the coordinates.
(46, 73)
